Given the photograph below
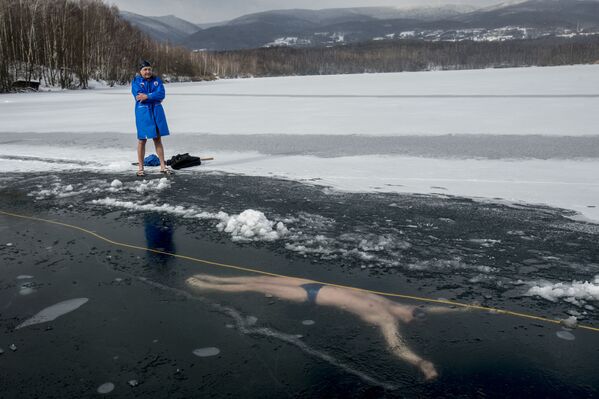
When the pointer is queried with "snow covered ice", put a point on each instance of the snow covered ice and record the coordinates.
(521, 135)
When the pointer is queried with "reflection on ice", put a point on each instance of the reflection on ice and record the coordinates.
(53, 312)
(159, 236)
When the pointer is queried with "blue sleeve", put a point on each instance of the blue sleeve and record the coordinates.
(135, 88)
(159, 94)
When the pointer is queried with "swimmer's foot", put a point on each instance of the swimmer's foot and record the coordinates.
(167, 172)
(140, 173)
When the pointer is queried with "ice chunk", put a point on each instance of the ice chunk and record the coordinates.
(26, 289)
(106, 388)
(13, 347)
(565, 335)
(573, 292)
(206, 352)
(570, 322)
(53, 312)
(251, 225)
(116, 184)
(308, 322)
(152, 185)
(24, 277)
(133, 383)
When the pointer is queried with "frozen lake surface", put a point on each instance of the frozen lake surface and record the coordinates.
(144, 323)
(523, 135)
(472, 186)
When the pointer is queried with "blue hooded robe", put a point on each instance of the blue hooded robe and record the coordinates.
(149, 114)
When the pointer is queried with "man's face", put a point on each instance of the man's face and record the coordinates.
(146, 72)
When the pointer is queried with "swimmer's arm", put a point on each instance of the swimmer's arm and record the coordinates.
(398, 346)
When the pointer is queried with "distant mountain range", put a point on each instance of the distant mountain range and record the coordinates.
(167, 28)
(510, 20)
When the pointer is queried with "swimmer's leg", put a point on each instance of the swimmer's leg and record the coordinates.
(251, 279)
(291, 293)
(201, 284)
(399, 348)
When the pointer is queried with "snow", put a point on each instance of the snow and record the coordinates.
(534, 103)
(152, 185)
(488, 101)
(577, 292)
(570, 322)
(252, 225)
(249, 225)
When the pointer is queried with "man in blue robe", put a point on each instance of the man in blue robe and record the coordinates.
(150, 120)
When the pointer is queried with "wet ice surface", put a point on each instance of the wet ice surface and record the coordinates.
(489, 251)
(431, 246)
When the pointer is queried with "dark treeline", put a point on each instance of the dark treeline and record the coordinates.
(397, 56)
(67, 43)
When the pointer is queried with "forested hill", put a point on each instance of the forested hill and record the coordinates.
(69, 43)
(402, 55)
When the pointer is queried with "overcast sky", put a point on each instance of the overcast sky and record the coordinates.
(200, 11)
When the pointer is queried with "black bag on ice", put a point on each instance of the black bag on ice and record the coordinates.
(181, 161)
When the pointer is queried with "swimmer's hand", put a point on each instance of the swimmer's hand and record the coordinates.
(428, 369)
(141, 97)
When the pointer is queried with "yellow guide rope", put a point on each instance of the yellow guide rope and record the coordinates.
(256, 271)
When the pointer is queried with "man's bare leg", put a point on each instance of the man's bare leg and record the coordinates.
(160, 152)
(291, 293)
(401, 350)
(202, 284)
(282, 281)
(141, 153)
